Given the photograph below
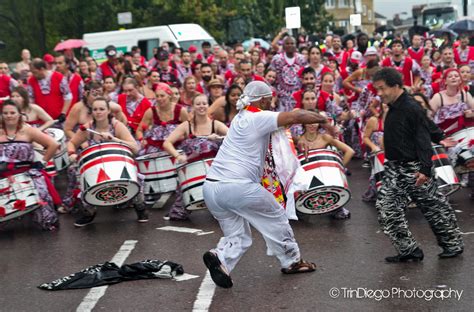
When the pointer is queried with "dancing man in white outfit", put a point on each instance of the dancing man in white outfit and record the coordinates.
(234, 195)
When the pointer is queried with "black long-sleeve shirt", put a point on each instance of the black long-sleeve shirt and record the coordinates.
(407, 134)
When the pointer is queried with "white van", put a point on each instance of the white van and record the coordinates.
(147, 38)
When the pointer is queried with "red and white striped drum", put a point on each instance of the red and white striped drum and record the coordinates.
(18, 196)
(328, 187)
(465, 150)
(50, 166)
(377, 161)
(108, 174)
(446, 178)
(191, 177)
(160, 174)
(61, 158)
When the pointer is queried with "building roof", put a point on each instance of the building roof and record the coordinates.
(378, 15)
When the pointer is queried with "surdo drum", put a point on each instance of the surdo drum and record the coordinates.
(18, 196)
(465, 147)
(377, 161)
(60, 161)
(446, 178)
(191, 178)
(160, 174)
(328, 188)
(50, 166)
(108, 174)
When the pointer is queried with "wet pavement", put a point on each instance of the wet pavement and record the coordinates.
(351, 275)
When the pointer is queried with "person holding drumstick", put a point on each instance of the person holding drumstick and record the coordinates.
(373, 139)
(104, 128)
(200, 138)
(312, 139)
(81, 113)
(160, 120)
(17, 156)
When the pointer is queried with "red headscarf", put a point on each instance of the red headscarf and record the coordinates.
(163, 87)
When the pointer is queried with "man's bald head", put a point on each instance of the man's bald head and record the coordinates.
(289, 46)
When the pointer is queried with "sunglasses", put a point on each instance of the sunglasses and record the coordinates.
(96, 92)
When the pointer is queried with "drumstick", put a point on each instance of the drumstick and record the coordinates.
(94, 132)
(98, 133)
(54, 121)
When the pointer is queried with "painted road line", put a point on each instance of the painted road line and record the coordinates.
(162, 201)
(93, 296)
(184, 230)
(185, 277)
(204, 297)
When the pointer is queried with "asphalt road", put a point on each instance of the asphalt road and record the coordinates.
(351, 275)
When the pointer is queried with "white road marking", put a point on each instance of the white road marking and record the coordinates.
(204, 297)
(185, 277)
(184, 230)
(93, 296)
(163, 199)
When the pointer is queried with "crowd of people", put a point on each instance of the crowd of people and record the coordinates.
(183, 102)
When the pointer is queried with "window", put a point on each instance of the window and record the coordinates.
(330, 4)
(370, 15)
(358, 6)
(364, 10)
(146, 46)
(344, 23)
(344, 3)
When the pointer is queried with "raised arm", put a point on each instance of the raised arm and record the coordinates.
(300, 116)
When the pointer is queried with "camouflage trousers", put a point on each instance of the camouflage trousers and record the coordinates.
(397, 189)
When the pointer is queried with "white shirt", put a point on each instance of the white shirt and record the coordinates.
(242, 154)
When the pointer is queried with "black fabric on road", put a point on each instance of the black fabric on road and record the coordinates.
(109, 273)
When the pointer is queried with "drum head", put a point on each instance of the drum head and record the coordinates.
(111, 193)
(18, 213)
(57, 134)
(322, 200)
(198, 205)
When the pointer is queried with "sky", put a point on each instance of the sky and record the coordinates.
(390, 7)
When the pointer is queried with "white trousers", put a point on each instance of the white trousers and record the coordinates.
(237, 206)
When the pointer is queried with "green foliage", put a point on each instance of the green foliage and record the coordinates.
(40, 24)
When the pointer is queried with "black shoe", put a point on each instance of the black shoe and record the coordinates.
(84, 220)
(416, 255)
(218, 273)
(142, 215)
(450, 254)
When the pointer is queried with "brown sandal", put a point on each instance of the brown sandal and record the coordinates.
(301, 266)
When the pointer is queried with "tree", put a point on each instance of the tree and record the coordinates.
(40, 24)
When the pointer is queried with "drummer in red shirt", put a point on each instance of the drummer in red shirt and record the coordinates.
(133, 104)
(50, 90)
(107, 68)
(7, 83)
(76, 84)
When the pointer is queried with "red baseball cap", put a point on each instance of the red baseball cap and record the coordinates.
(192, 49)
(48, 58)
